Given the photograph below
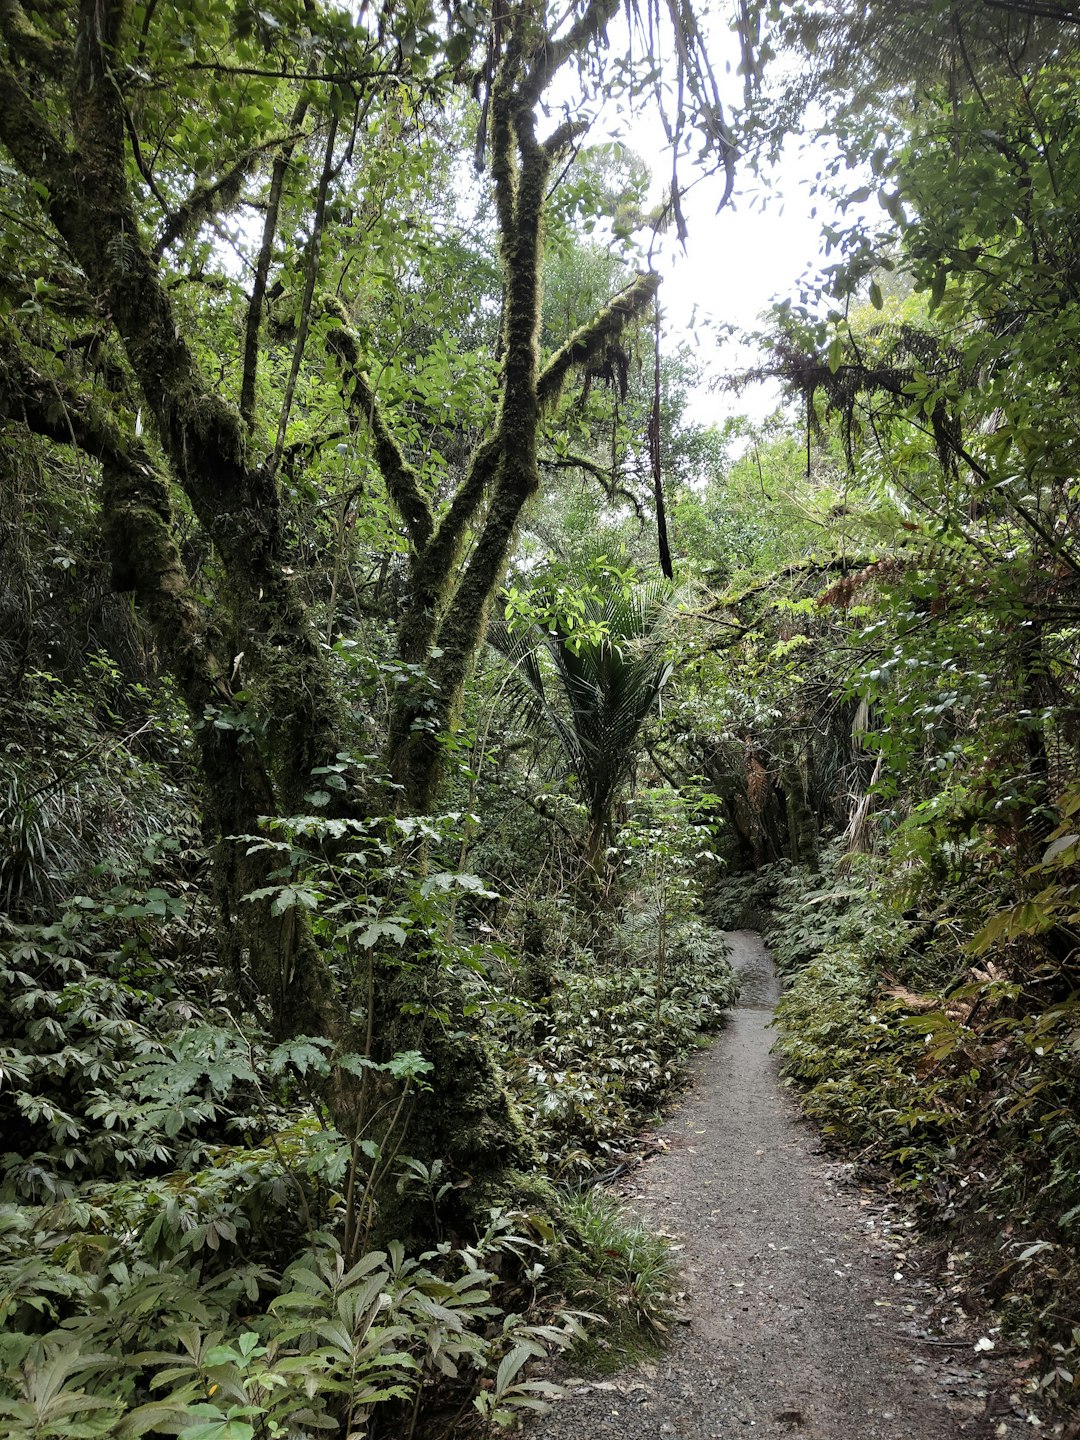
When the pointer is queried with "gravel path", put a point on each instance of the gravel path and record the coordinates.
(802, 1315)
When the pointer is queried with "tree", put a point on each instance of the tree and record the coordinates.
(603, 654)
(130, 340)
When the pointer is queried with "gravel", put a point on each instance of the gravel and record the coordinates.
(804, 1311)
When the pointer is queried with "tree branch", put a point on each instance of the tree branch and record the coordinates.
(565, 135)
(253, 324)
(402, 480)
(607, 478)
(554, 54)
(215, 197)
(433, 566)
(589, 342)
(313, 257)
(28, 43)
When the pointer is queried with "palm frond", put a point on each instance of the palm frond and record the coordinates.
(596, 694)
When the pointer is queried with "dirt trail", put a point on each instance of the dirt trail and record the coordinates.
(802, 1316)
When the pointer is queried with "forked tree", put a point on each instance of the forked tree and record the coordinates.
(101, 102)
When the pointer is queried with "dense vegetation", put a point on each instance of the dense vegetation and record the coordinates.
(401, 691)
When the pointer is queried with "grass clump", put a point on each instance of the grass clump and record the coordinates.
(628, 1277)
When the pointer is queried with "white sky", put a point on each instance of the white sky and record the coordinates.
(736, 262)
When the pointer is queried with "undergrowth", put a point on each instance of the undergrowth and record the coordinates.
(592, 1059)
(186, 1237)
(173, 1196)
(628, 1274)
(953, 1072)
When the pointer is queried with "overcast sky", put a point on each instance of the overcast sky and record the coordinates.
(755, 251)
(736, 263)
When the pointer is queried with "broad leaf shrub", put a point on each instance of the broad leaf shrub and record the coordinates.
(210, 1298)
(593, 1059)
(745, 898)
(127, 1346)
(108, 1067)
(172, 1195)
(950, 1061)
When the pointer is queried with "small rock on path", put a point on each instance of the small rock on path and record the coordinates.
(800, 1318)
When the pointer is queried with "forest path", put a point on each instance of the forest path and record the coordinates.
(802, 1314)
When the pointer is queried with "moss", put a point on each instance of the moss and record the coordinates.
(802, 822)
(466, 1120)
(402, 480)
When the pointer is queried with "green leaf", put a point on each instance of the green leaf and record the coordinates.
(382, 929)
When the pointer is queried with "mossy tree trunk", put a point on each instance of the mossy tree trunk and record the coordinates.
(803, 843)
(64, 122)
(84, 186)
(446, 613)
(287, 970)
(445, 617)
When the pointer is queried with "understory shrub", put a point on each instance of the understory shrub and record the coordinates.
(593, 1059)
(629, 1274)
(843, 1041)
(100, 1339)
(958, 1073)
(173, 1252)
(743, 900)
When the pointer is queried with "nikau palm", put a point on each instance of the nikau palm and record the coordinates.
(594, 694)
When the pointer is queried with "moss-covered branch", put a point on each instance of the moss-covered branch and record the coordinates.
(89, 202)
(216, 197)
(30, 141)
(402, 480)
(512, 458)
(253, 324)
(27, 43)
(330, 167)
(603, 474)
(589, 342)
(564, 136)
(553, 54)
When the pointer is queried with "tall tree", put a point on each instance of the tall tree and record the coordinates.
(149, 141)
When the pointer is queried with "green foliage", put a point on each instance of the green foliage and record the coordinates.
(599, 649)
(596, 1056)
(147, 1348)
(744, 901)
(102, 1074)
(843, 909)
(630, 1275)
(70, 766)
(869, 697)
(962, 1088)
